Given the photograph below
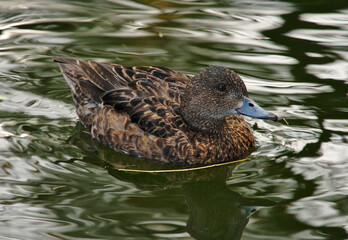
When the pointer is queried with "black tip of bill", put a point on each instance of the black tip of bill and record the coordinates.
(272, 117)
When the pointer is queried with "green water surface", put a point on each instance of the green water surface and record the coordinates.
(58, 183)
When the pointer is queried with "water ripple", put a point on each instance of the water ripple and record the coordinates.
(293, 58)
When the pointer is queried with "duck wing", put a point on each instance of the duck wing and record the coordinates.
(94, 79)
(155, 115)
(149, 96)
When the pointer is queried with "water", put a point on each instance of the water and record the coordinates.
(58, 183)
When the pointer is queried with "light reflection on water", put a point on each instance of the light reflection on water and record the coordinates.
(293, 58)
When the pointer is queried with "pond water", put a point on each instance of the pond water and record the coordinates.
(58, 183)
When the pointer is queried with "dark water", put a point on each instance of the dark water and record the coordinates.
(57, 183)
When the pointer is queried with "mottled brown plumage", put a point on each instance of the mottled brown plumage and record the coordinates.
(159, 114)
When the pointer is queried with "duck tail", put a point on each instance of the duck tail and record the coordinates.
(76, 73)
(86, 94)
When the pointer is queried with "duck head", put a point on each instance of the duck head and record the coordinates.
(216, 93)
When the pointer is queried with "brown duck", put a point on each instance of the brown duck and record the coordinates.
(159, 114)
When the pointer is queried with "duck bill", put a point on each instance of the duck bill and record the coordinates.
(252, 109)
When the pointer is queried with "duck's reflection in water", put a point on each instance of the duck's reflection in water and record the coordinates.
(215, 211)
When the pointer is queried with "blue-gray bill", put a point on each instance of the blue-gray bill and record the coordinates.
(252, 109)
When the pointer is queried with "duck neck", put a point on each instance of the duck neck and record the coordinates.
(197, 117)
(198, 122)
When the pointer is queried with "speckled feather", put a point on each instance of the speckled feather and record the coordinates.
(140, 111)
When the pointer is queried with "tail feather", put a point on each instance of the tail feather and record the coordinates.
(84, 79)
(86, 94)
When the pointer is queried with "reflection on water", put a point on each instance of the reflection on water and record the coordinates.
(56, 182)
(214, 210)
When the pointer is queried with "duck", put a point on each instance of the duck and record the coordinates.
(158, 114)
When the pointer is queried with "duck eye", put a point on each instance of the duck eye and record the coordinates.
(221, 87)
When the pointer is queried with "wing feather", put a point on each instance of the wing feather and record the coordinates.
(149, 96)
